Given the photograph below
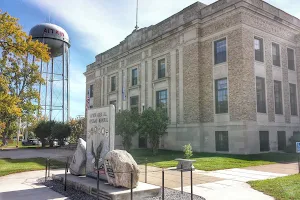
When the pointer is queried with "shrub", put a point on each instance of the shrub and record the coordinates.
(43, 130)
(153, 124)
(77, 129)
(60, 131)
(188, 151)
(291, 148)
(126, 127)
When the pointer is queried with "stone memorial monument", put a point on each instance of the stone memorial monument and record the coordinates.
(77, 166)
(118, 167)
(100, 139)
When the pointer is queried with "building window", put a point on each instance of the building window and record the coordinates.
(162, 99)
(276, 54)
(134, 103)
(161, 68)
(222, 141)
(291, 59)
(281, 138)
(134, 76)
(221, 96)
(113, 83)
(259, 49)
(296, 134)
(91, 91)
(220, 51)
(264, 140)
(293, 99)
(278, 97)
(260, 95)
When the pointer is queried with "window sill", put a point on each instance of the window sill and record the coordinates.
(113, 92)
(220, 64)
(292, 70)
(260, 113)
(134, 87)
(161, 79)
(222, 113)
(276, 66)
(259, 62)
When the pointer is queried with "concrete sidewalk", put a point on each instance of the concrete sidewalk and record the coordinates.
(225, 184)
(233, 186)
(24, 185)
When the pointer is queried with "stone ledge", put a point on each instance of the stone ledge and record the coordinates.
(106, 191)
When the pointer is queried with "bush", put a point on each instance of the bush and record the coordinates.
(43, 130)
(60, 131)
(126, 127)
(188, 151)
(153, 124)
(77, 129)
(291, 148)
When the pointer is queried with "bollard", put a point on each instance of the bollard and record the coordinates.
(131, 183)
(299, 163)
(146, 171)
(191, 183)
(67, 164)
(163, 184)
(66, 168)
(98, 177)
(49, 167)
(181, 175)
(46, 168)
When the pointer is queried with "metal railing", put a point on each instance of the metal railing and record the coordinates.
(48, 165)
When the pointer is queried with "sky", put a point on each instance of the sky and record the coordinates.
(95, 26)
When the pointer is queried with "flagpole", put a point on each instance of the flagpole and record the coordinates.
(137, 9)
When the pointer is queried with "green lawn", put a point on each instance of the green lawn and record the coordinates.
(10, 166)
(283, 188)
(210, 161)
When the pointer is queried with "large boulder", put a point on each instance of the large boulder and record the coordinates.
(77, 166)
(118, 167)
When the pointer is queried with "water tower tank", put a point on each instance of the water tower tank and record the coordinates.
(54, 102)
(52, 35)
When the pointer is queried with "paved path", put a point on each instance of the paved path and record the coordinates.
(283, 168)
(222, 184)
(23, 186)
(234, 186)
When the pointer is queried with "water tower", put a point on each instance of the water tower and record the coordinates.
(54, 93)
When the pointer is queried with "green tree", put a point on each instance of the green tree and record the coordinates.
(21, 75)
(77, 129)
(60, 131)
(126, 127)
(153, 124)
(43, 130)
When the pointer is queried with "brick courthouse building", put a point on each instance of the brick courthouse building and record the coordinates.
(228, 73)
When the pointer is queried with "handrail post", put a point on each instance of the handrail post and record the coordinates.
(191, 183)
(46, 169)
(49, 168)
(131, 185)
(163, 184)
(146, 171)
(181, 175)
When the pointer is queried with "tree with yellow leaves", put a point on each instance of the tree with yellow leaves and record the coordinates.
(20, 76)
